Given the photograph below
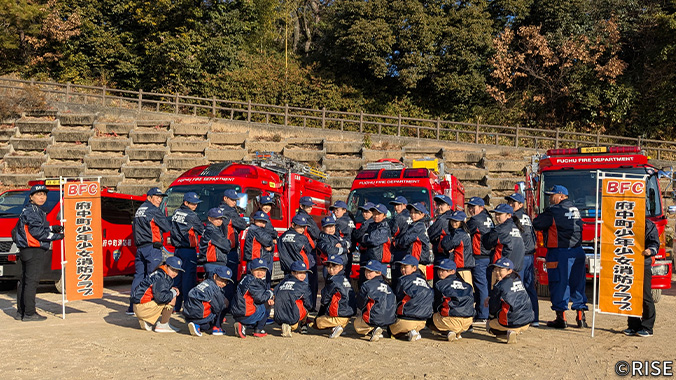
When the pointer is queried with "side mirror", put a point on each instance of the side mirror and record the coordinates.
(520, 187)
(243, 200)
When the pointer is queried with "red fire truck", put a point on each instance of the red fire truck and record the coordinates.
(268, 174)
(117, 211)
(576, 170)
(382, 181)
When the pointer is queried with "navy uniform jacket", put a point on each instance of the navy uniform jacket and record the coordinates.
(413, 241)
(377, 303)
(506, 239)
(269, 228)
(528, 233)
(214, 246)
(438, 230)
(312, 231)
(251, 292)
(326, 244)
(479, 225)
(254, 246)
(186, 228)
(358, 234)
(415, 298)
(149, 225)
(293, 246)
(338, 298)
(509, 302)
(457, 246)
(652, 240)
(233, 225)
(33, 230)
(453, 297)
(377, 242)
(157, 286)
(561, 225)
(344, 226)
(400, 222)
(204, 301)
(293, 299)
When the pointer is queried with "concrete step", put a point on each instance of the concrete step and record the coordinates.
(68, 152)
(340, 182)
(183, 129)
(340, 147)
(5, 149)
(253, 146)
(342, 164)
(467, 157)
(305, 142)
(14, 160)
(370, 155)
(51, 113)
(219, 155)
(469, 174)
(58, 169)
(30, 143)
(19, 179)
(304, 155)
(146, 153)
(105, 161)
(109, 144)
(503, 165)
(36, 125)
(224, 138)
(109, 178)
(142, 171)
(149, 136)
(114, 128)
(476, 191)
(187, 145)
(72, 134)
(77, 118)
(340, 194)
(7, 132)
(156, 124)
(422, 151)
(169, 176)
(502, 183)
(136, 187)
(183, 162)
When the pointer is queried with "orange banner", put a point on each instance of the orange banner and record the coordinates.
(84, 267)
(622, 245)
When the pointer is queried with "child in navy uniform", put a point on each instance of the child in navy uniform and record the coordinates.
(453, 301)
(259, 243)
(508, 304)
(204, 305)
(252, 301)
(292, 300)
(376, 302)
(214, 246)
(338, 299)
(155, 297)
(414, 300)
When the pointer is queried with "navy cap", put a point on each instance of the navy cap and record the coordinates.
(503, 262)
(475, 201)
(328, 221)
(231, 194)
(267, 200)
(215, 213)
(443, 199)
(258, 264)
(459, 216)
(191, 197)
(299, 266)
(515, 197)
(503, 208)
(38, 188)
(306, 201)
(156, 191)
(367, 206)
(260, 215)
(408, 260)
(339, 204)
(400, 200)
(557, 189)
(175, 263)
(418, 206)
(335, 259)
(300, 220)
(375, 266)
(381, 208)
(446, 264)
(222, 271)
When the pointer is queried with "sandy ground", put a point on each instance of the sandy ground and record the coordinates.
(97, 340)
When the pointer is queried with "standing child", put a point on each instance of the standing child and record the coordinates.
(214, 245)
(338, 299)
(376, 302)
(292, 300)
(259, 243)
(414, 300)
(457, 246)
(155, 297)
(453, 300)
(204, 305)
(252, 303)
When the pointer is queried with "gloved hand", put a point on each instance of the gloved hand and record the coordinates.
(157, 244)
(57, 229)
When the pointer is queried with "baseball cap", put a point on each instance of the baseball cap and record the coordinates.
(39, 188)
(222, 271)
(338, 204)
(156, 191)
(475, 201)
(503, 208)
(335, 259)
(418, 206)
(458, 215)
(557, 189)
(367, 206)
(299, 266)
(446, 264)
(191, 197)
(300, 220)
(503, 262)
(175, 263)
(400, 200)
(267, 200)
(408, 260)
(231, 194)
(381, 208)
(328, 221)
(306, 201)
(443, 199)
(260, 215)
(516, 197)
(258, 264)
(375, 266)
(215, 213)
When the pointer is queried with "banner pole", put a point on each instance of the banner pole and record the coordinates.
(595, 277)
(63, 259)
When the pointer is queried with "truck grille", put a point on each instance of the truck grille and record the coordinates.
(5, 246)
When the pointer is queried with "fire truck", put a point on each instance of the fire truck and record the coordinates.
(576, 170)
(386, 179)
(268, 174)
(117, 212)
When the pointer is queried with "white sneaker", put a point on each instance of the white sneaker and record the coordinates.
(145, 325)
(413, 335)
(335, 333)
(451, 336)
(376, 334)
(164, 328)
(286, 330)
(194, 329)
(511, 336)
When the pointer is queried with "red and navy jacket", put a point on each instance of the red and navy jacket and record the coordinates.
(400, 222)
(149, 225)
(205, 302)
(479, 225)
(377, 303)
(269, 228)
(528, 233)
(293, 299)
(157, 286)
(338, 298)
(358, 234)
(415, 298)
(506, 239)
(251, 293)
(312, 231)
(326, 245)
(257, 239)
(561, 225)
(453, 297)
(214, 246)
(293, 246)
(186, 228)
(233, 225)
(377, 241)
(33, 230)
(344, 226)
(509, 302)
(457, 246)
(438, 230)
(413, 241)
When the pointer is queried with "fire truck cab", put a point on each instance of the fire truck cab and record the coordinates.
(576, 170)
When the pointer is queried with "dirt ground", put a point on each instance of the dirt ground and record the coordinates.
(97, 340)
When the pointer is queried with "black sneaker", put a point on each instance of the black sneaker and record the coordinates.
(303, 329)
(642, 333)
(34, 317)
(18, 316)
(629, 332)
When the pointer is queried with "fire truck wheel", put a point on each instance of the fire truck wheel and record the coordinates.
(657, 294)
(542, 290)
(59, 285)
(7, 285)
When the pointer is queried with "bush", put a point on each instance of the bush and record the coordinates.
(15, 101)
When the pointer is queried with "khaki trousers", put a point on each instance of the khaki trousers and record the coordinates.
(456, 324)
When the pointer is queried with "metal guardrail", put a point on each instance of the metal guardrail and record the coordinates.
(472, 133)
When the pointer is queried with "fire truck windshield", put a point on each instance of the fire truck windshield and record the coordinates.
(581, 185)
(12, 202)
(211, 196)
(384, 195)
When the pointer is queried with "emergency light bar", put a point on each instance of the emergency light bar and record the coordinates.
(594, 150)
